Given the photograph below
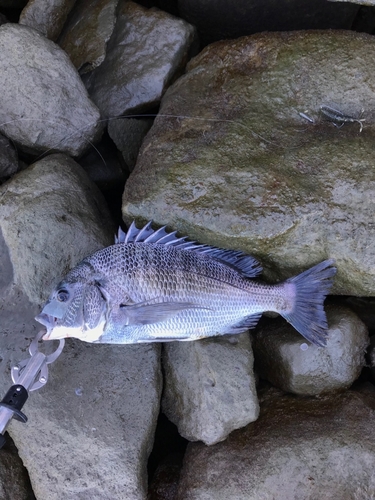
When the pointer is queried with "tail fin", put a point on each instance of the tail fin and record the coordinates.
(310, 288)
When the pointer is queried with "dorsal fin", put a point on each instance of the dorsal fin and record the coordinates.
(245, 264)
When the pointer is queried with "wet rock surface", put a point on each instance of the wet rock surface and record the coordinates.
(209, 387)
(298, 448)
(59, 116)
(86, 34)
(294, 366)
(147, 48)
(253, 174)
(46, 17)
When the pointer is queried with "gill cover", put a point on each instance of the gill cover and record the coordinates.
(75, 305)
(94, 306)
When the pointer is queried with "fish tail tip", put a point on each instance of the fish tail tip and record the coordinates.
(309, 290)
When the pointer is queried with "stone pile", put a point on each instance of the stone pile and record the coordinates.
(240, 156)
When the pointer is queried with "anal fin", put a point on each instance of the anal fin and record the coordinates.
(245, 324)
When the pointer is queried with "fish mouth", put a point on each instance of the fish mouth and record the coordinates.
(49, 322)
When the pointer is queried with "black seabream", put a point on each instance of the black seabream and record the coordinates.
(152, 286)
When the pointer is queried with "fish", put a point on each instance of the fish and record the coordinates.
(154, 286)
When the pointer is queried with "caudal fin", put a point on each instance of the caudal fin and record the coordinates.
(309, 290)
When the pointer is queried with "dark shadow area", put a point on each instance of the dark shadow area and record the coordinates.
(167, 442)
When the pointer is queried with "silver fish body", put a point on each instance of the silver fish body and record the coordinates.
(152, 286)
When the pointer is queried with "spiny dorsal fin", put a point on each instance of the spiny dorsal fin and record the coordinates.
(245, 264)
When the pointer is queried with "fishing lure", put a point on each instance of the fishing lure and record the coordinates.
(338, 118)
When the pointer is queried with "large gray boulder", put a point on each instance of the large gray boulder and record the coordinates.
(242, 168)
(209, 387)
(46, 17)
(51, 217)
(298, 448)
(285, 360)
(43, 103)
(147, 49)
(85, 35)
(91, 428)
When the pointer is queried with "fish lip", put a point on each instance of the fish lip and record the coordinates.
(47, 336)
(48, 321)
(50, 336)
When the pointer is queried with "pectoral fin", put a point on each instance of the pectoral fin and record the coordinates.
(146, 314)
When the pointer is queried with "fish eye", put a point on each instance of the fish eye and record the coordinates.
(62, 295)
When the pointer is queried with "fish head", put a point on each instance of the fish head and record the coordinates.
(74, 309)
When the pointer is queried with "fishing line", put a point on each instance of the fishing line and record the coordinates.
(54, 122)
(147, 115)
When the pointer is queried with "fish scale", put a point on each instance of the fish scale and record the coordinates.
(167, 271)
(152, 286)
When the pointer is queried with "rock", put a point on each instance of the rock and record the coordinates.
(90, 429)
(93, 425)
(298, 448)
(14, 480)
(46, 17)
(242, 169)
(285, 360)
(141, 60)
(57, 199)
(209, 387)
(87, 32)
(128, 135)
(44, 105)
(8, 159)
(218, 19)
